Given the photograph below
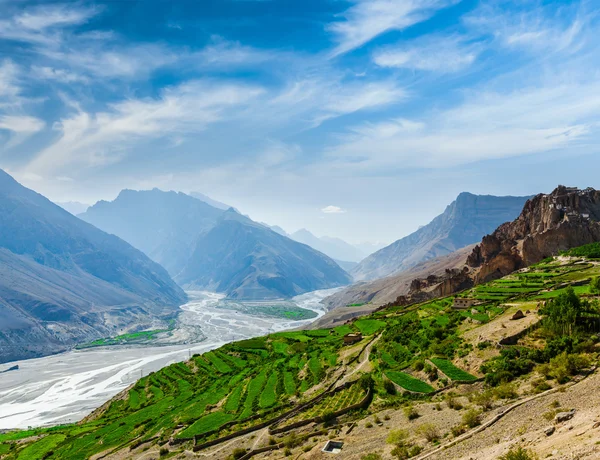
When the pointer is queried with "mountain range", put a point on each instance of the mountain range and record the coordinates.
(548, 224)
(207, 248)
(465, 221)
(63, 281)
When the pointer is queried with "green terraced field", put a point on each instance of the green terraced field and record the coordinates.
(408, 382)
(369, 326)
(453, 372)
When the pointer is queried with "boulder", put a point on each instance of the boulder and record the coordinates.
(549, 431)
(564, 416)
(518, 315)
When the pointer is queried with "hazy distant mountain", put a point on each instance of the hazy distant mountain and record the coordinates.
(247, 260)
(210, 201)
(464, 222)
(207, 248)
(347, 266)
(165, 225)
(368, 248)
(334, 247)
(74, 207)
(63, 280)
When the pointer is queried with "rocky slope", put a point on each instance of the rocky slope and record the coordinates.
(548, 224)
(207, 248)
(63, 281)
(464, 222)
(389, 289)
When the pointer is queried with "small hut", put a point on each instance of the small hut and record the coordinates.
(352, 338)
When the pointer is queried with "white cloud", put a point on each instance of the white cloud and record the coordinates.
(21, 123)
(110, 60)
(95, 139)
(333, 210)
(367, 19)
(8, 79)
(320, 99)
(224, 53)
(437, 53)
(21, 127)
(41, 24)
(536, 29)
(489, 125)
(59, 75)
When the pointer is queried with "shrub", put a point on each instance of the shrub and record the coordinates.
(452, 402)
(410, 412)
(372, 456)
(564, 365)
(485, 399)
(518, 453)
(471, 418)
(458, 430)
(389, 386)
(418, 365)
(505, 391)
(397, 437)
(238, 453)
(429, 431)
(163, 451)
(287, 452)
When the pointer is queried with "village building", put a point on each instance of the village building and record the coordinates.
(463, 303)
(352, 338)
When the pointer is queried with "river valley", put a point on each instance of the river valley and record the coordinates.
(66, 387)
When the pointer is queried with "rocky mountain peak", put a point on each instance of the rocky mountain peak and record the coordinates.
(549, 223)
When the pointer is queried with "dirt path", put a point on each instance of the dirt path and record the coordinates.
(362, 364)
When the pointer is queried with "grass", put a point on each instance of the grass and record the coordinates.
(218, 363)
(41, 448)
(268, 397)
(289, 383)
(369, 326)
(408, 382)
(453, 372)
(207, 423)
(233, 401)
(124, 339)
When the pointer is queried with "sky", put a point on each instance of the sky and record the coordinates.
(361, 119)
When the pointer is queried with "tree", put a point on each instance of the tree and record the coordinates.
(562, 313)
(595, 285)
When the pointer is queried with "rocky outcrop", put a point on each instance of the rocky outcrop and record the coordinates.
(548, 224)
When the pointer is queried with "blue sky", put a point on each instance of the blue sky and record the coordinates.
(359, 119)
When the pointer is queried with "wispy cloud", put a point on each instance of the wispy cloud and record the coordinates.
(41, 24)
(333, 210)
(487, 126)
(224, 53)
(367, 19)
(20, 127)
(93, 139)
(436, 53)
(59, 75)
(539, 29)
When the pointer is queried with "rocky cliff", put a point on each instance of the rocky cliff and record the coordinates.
(548, 224)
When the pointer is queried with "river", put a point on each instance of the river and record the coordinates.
(66, 387)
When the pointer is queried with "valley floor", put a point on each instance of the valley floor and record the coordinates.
(65, 388)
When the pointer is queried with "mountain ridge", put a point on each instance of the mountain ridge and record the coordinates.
(463, 222)
(63, 280)
(206, 248)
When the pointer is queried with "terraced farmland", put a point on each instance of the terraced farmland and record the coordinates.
(408, 382)
(453, 372)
